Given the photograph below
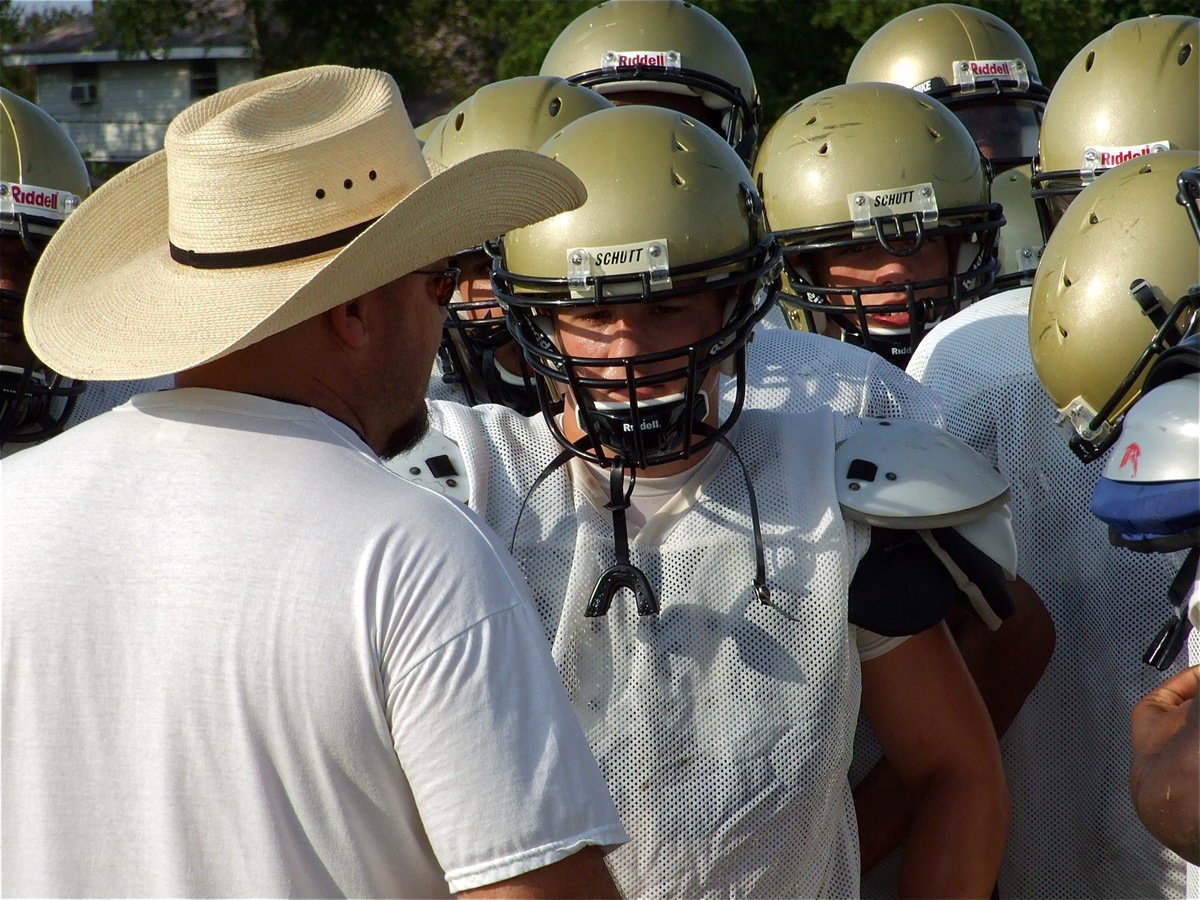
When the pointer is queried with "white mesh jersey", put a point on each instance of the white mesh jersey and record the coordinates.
(722, 726)
(1067, 755)
(441, 389)
(797, 371)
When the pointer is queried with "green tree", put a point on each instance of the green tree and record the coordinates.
(440, 51)
(20, 24)
(133, 27)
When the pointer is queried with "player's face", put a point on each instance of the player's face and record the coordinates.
(475, 286)
(637, 329)
(872, 265)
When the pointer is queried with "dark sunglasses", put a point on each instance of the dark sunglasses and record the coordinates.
(444, 282)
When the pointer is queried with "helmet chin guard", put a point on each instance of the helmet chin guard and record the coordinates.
(651, 427)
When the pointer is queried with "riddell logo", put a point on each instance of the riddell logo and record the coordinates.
(990, 67)
(1109, 158)
(642, 59)
(27, 197)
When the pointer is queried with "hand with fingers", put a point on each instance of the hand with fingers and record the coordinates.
(1164, 779)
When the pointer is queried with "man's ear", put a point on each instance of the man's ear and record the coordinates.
(348, 322)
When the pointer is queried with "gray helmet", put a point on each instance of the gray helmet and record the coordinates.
(1131, 91)
(666, 47)
(972, 61)
(669, 204)
(1116, 286)
(1021, 239)
(872, 163)
(43, 179)
(425, 129)
(514, 114)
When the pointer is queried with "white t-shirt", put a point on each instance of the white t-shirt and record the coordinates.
(723, 726)
(1074, 830)
(98, 397)
(242, 657)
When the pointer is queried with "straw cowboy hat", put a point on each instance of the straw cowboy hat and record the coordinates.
(272, 202)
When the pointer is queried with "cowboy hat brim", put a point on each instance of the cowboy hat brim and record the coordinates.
(108, 302)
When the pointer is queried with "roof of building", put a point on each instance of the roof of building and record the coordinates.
(220, 35)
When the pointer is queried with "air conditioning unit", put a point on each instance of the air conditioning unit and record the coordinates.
(83, 93)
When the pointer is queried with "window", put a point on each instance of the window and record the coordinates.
(84, 77)
(204, 78)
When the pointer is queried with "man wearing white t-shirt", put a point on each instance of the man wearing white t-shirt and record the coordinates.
(241, 656)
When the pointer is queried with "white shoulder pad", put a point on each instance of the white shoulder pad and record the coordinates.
(435, 463)
(905, 474)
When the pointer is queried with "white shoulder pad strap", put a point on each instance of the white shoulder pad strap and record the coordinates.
(905, 474)
(435, 463)
(992, 535)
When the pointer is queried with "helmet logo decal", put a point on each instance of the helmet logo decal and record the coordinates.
(1132, 452)
(886, 203)
(968, 71)
(1107, 157)
(27, 199)
(649, 257)
(662, 59)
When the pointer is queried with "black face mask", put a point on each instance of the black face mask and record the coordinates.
(35, 402)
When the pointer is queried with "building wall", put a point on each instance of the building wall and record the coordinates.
(135, 101)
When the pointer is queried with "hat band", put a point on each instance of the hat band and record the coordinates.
(265, 256)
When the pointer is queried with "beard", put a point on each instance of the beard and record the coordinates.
(408, 434)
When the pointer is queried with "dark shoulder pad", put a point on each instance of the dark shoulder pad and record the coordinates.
(900, 587)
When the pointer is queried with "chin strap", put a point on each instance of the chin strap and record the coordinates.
(1171, 637)
(762, 592)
